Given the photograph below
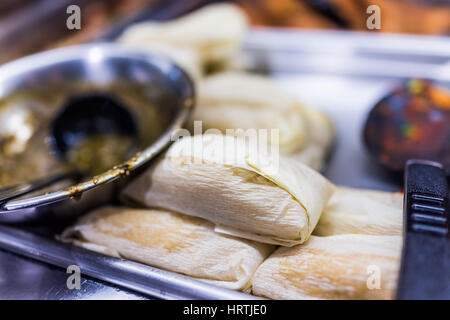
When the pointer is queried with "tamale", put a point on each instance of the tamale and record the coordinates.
(362, 211)
(347, 266)
(243, 101)
(321, 136)
(171, 241)
(239, 188)
(214, 31)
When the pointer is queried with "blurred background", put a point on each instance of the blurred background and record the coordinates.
(28, 26)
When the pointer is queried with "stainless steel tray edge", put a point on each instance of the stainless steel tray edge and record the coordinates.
(389, 56)
(131, 275)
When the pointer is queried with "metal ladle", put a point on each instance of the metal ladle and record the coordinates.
(166, 99)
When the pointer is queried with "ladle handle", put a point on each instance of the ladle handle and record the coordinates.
(425, 266)
(13, 192)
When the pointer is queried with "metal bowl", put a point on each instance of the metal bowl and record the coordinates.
(167, 88)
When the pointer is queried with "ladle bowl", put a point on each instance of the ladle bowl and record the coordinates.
(166, 90)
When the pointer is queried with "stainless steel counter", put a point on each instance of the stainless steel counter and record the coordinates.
(23, 278)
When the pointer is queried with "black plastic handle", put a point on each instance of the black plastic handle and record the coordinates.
(425, 268)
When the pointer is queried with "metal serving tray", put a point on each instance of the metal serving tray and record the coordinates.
(342, 73)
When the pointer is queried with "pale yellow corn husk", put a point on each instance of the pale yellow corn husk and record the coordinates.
(321, 135)
(235, 187)
(246, 102)
(238, 100)
(170, 241)
(337, 267)
(362, 211)
(215, 32)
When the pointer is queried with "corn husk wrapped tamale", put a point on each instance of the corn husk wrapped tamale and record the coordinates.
(239, 100)
(215, 32)
(171, 241)
(347, 266)
(221, 179)
(320, 139)
(362, 211)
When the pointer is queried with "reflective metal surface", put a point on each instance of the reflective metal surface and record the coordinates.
(350, 54)
(169, 89)
(345, 92)
(135, 276)
(24, 278)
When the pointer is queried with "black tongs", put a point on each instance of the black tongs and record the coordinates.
(425, 267)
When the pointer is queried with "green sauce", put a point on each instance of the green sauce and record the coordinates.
(26, 152)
